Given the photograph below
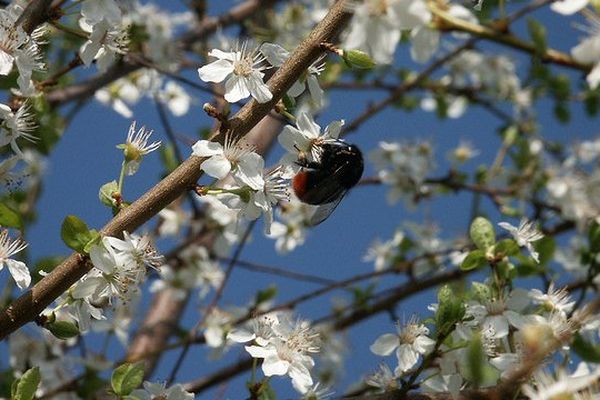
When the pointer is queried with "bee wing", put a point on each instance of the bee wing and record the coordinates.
(323, 211)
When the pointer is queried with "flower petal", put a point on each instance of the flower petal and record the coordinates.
(274, 53)
(19, 272)
(385, 344)
(568, 7)
(258, 351)
(240, 335)
(206, 148)
(216, 71)
(236, 89)
(249, 171)
(216, 166)
(273, 365)
(259, 90)
(308, 127)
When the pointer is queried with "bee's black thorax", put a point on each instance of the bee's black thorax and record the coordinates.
(344, 161)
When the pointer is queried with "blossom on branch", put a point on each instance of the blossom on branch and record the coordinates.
(17, 269)
(241, 70)
(524, 235)
(410, 342)
(136, 146)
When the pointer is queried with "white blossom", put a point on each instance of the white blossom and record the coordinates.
(548, 387)
(135, 251)
(265, 192)
(17, 269)
(524, 235)
(277, 55)
(304, 141)
(17, 47)
(19, 124)
(95, 11)
(288, 352)
(554, 300)
(153, 391)
(176, 98)
(136, 146)
(234, 154)
(383, 379)
(568, 7)
(104, 44)
(498, 314)
(410, 342)
(383, 253)
(241, 70)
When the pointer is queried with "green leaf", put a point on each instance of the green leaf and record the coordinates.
(546, 247)
(506, 248)
(89, 384)
(266, 294)
(594, 237)
(26, 386)
(63, 329)
(95, 237)
(9, 218)
(586, 350)
(358, 59)
(475, 360)
(105, 194)
(481, 292)
(473, 260)
(561, 112)
(506, 270)
(478, 369)
(482, 233)
(450, 310)
(537, 31)
(75, 233)
(126, 378)
(591, 102)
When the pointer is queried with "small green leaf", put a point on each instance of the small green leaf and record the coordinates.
(478, 369)
(473, 260)
(594, 237)
(546, 247)
(266, 294)
(475, 360)
(9, 218)
(126, 378)
(106, 193)
(537, 31)
(561, 112)
(481, 292)
(586, 350)
(95, 237)
(506, 270)
(27, 385)
(482, 233)
(63, 329)
(450, 310)
(90, 383)
(506, 248)
(75, 233)
(591, 102)
(358, 59)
